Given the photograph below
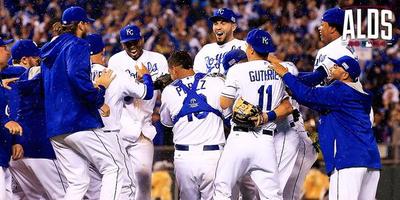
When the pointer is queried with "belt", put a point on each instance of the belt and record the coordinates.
(181, 147)
(296, 115)
(245, 129)
(111, 131)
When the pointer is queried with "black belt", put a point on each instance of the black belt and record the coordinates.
(296, 115)
(181, 147)
(245, 129)
(111, 131)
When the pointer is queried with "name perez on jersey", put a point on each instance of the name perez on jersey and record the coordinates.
(200, 86)
(216, 62)
(263, 75)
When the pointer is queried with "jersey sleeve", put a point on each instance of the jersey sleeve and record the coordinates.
(231, 85)
(130, 87)
(165, 112)
(163, 65)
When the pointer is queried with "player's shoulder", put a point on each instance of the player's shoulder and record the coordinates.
(118, 56)
(154, 55)
(215, 77)
(207, 47)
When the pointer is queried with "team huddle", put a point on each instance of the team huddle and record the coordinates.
(78, 127)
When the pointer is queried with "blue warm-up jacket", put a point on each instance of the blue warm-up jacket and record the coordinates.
(5, 136)
(344, 114)
(31, 116)
(71, 100)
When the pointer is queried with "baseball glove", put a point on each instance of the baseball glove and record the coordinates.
(163, 81)
(246, 114)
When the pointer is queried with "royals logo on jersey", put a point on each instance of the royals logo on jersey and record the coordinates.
(209, 59)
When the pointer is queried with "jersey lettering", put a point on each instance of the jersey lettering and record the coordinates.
(95, 74)
(200, 86)
(263, 75)
(216, 62)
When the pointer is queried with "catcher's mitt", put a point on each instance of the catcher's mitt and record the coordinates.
(163, 81)
(246, 114)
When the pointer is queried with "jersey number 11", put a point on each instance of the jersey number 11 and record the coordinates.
(261, 97)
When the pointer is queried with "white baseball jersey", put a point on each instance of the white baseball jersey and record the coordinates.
(136, 116)
(256, 83)
(206, 131)
(336, 49)
(119, 88)
(209, 58)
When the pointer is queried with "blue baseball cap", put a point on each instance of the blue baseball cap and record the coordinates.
(225, 14)
(129, 33)
(350, 65)
(334, 16)
(75, 14)
(233, 57)
(5, 42)
(24, 48)
(96, 43)
(261, 41)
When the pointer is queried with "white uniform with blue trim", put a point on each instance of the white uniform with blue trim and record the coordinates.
(137, 129)
(198, 137)
(209, 58)
(251, 151)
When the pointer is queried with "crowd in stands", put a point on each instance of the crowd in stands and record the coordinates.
(168, 25)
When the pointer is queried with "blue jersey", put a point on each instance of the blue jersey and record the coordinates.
(345, 132)
(5, 136)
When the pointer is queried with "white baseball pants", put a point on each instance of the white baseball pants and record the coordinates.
(39, 178)
(248, 152)
(73, 151)
(141, 154)
(195, 172)
(358, 183)
(3, 193)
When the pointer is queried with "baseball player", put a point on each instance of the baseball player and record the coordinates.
(258, 85)
(71, 106)
(120, 88)
(9, 125)
(38, 172)
(345, 134)
(209, 58)
(137, 129)
(190, 105)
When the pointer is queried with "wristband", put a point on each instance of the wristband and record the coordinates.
(271, 115)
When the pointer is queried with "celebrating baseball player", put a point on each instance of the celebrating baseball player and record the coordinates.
(9, 125)
(121, 87)
(345, 134)
(191, 106)
(260, 87)
(38, 173)
(137, 129)
(71, 104)
(209, 58)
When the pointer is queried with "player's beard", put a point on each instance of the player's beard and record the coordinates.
(221, 37)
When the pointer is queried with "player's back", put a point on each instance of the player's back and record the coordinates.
(256, 83)
(198, 128)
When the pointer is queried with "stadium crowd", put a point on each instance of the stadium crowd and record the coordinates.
(168, 25)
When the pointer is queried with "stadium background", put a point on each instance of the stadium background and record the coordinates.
(182, 24)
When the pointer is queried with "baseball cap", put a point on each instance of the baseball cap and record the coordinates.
(75, 14)
(261, 41)
(5, 42)
(233, 57)
(24, 48)
(130, 33)
(225, 14)
(96, 43)
(334, 16)
(350, 65)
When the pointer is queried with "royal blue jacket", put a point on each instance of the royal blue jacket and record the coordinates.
(31, 116)
(5, 136)
(344, 114)
(71, 100)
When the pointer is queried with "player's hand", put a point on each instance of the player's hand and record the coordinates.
(273, 59)
(7, 81)
(13, 127)
(17, 152)
(105, 110)
(260, 119)
(279, 69)
(105, 78)
(142, 70)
